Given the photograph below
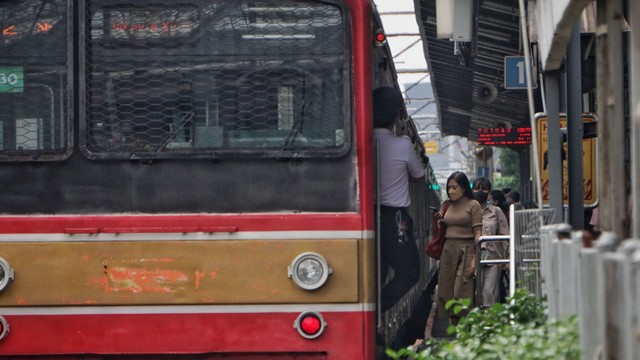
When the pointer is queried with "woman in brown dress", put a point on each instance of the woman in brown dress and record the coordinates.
(463, 220)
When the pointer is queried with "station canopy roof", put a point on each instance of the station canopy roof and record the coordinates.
(468, 77)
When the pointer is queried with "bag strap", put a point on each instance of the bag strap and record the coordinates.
(445, 206)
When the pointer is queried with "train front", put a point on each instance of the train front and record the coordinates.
(186, 179)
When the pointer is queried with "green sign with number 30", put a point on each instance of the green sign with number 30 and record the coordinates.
(11, 79)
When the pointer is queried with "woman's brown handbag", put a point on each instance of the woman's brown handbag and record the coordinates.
(435, 245)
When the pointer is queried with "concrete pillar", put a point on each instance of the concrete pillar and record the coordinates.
(611, 138)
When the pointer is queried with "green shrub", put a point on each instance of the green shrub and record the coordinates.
(518, 330)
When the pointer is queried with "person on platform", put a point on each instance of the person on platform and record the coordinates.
(494, 222)
(463, 220)
(497, 198)
(513, 198)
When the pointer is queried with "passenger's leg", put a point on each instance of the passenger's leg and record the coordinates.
(446, 275)
(404, 260)
(490, 289)
(464, 287)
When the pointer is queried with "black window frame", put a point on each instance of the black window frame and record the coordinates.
(61, 94)
(221, 152)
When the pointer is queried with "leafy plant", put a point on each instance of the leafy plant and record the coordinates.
(510, 170)
(518, 329)
(503, 182)
(509, 162)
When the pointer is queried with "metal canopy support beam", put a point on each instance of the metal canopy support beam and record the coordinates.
(554, 141)
(634, 83)
(524, 32)
(575, 130)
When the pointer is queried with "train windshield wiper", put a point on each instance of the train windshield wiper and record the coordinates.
(296, 128)
(174, 131)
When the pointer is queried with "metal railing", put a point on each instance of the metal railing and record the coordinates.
(524, 248)
(481, 262)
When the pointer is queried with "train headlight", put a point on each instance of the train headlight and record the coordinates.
(309, 270)
(6, 273)
(4, 328)
(310, 324)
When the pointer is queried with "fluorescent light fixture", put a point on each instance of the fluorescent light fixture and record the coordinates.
(278, 37)
(444, 19)
(454, 19)
(462, 20)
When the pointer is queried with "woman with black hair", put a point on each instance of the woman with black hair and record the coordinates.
(463, 220)
(497, 198)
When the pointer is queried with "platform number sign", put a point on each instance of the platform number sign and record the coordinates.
(515, 74)
(11, 79)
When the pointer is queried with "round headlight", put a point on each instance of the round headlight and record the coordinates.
(309, 271)
(6, 273)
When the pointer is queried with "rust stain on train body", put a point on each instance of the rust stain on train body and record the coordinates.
(142, 279)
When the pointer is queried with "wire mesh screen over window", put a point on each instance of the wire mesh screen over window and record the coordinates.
(34, 122)
(213, 78)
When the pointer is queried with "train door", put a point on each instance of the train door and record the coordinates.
(409, 313)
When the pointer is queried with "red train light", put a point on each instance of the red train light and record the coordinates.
(4, 328)
(310, 325)
(380, 38)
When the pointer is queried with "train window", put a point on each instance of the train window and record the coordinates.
(200, 79)
(34, 84)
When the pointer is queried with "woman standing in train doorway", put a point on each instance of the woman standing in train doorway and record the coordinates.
(463, 220)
